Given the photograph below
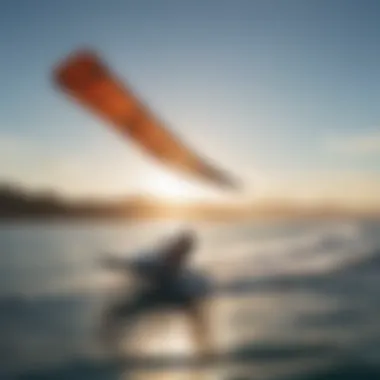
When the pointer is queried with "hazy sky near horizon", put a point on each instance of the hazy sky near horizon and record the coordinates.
(285, 94)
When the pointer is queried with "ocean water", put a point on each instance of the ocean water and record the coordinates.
(296, 300)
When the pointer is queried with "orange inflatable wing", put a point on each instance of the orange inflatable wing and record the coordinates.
(89, 81)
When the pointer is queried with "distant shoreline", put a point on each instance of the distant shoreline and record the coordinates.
(17, 205)
(59, 219)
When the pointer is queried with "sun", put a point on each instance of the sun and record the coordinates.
(166, 185)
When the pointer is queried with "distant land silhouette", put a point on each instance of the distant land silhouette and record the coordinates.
(17, 203)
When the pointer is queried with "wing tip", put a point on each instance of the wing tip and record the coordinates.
(222, 178)
(76, 62)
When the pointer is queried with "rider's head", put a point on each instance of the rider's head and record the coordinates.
(186, 241)
(182, 245)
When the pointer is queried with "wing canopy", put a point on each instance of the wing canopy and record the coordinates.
(87, 79)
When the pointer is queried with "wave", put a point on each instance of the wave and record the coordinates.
(315, 249)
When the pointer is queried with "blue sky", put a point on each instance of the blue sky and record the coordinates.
(285, 94)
